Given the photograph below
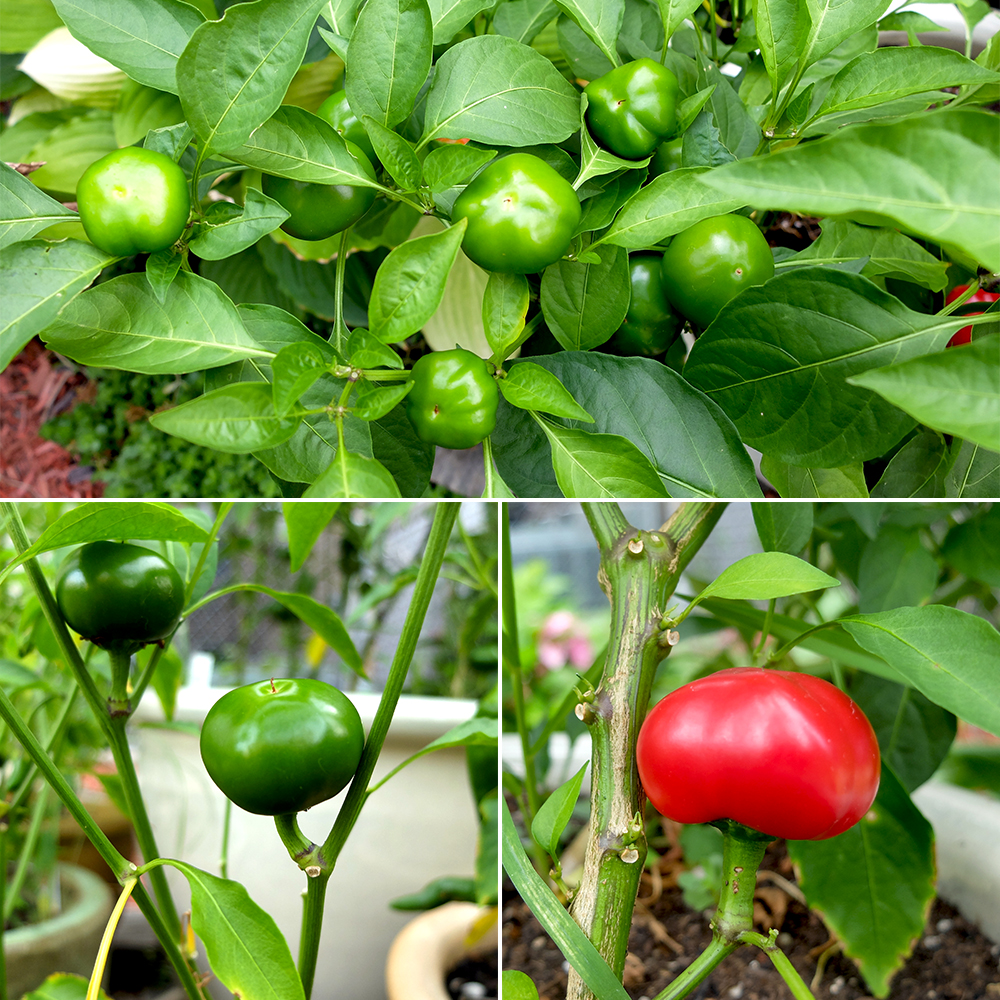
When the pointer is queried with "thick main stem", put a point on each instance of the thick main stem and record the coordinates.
(639, 572)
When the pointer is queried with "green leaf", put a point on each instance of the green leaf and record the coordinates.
(925, 174)
(600, 19)
(800, 336)
(475, 732)
(238, 418)
(550, 821)
(389, 57)
(692, 444)
(24, 210)
(63, 986)
(260, 216)
(70, 148)
(25, 23)
(517, 986)
(353, 476)
(450, 16)
(167, 680)
(895, 571)
(121, 324)
(293, 370)
(914, 734)
(668, 204)
(145, 38)
(410, 283)
(141, 110)
(505, 306)
(234, 72)
(947, 654)
(246, 950)
(973, 546)
(874, 78)
(39, 279)
(873, 884)
(674, 13)
(452, 164)
(531, 387)
(831, 643)
(117, 521)
(377, 402)
(764, 575)
(890, 254)
(584, 304)
(563, 929)
(600, 465)
(364, 351)
(325, 622)
(955, 391)
(395, 154)
(305, 522)
(783, 527)
(495, 90)
(294, 143)
(795, 481)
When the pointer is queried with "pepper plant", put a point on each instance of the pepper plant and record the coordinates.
(275, 747)
(515, 168)
(876, 627)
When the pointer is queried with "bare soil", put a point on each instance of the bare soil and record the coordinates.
(952, 960)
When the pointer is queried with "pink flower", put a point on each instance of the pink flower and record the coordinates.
(563, 640)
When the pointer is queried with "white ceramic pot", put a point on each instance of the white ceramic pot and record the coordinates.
(420, 825)
(967, 836)
(429, 945)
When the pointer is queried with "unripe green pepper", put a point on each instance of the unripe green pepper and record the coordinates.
(280, 746)
(453, 402)
(119, 595)
(337, 112)
(632, 108)
(650, 325)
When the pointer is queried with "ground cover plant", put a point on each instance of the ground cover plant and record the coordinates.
(285, 195)
(859, 634)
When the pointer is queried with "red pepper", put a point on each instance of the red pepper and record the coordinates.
(785, 753)
(964, 336)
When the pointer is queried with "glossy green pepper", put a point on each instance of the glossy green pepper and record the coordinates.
(712, 262)
(632, 108)
(521, 215)
(119, 595)
(337, 112)
(317, 211)
(133, 201)
(453, 402)
(650, 325)
(667, 157)
(280, 746)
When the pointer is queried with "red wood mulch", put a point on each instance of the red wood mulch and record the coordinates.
(34, 387)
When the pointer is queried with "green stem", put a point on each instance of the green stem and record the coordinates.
(639, 571)
(698, 971)
(742, 852)
(227, 815)
(339, 326)
(781, 962)
(529, 798)
(490, 473)
(122, 754)
(121, 663)
(300, 849)
(38, 810)
(766, 628)
(312, 925)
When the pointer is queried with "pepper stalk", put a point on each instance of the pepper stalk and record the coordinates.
(639, 573)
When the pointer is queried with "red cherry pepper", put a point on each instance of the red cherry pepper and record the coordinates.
(964, 336)
(785, 753)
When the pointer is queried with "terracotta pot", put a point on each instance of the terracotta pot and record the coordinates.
(429, 946)
(65, 943)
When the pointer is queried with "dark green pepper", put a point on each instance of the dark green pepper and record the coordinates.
(650, 325)
(337, 112)
(119, 595)
(278, 747)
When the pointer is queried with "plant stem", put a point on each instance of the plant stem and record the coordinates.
(339, 327)
(639, 571)
(312, 926)
(430, 566)
(742, 851)
(698, 971)
(781, 962)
